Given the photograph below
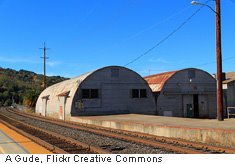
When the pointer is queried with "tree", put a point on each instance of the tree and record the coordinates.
(30, 97)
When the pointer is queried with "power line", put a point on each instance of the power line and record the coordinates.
(214, 62)
(166, 38)
(195, 66)
(155, 25)
(228, 58)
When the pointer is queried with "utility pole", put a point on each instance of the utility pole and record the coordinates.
(219, 78)
(220, 114)
(45, 58)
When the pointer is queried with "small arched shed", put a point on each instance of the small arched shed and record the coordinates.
(109, 90)
(184, 93)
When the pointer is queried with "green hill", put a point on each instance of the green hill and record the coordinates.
(22, 87)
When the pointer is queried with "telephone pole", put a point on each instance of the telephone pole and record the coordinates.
(220, 114)
(45, 58)
(219, 78)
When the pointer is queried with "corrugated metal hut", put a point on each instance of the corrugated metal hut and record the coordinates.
(229, 89)
(109, 90)
(184, 93)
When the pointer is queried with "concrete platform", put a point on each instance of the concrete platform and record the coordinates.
(13, 143)
(8, 145)
(201, 130)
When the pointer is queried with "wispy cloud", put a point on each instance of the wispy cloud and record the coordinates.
(28, 61)
(53, 63)
(17, 60)
(159, 60)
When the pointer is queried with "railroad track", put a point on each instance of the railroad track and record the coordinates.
(54, 142)
(168, 144)
(102, 142)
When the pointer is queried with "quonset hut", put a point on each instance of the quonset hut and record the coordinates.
(184, 93)
(109, 90)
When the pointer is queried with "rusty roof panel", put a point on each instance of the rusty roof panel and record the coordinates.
(157, 81)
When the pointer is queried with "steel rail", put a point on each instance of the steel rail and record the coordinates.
(195, 145)
(37, 140)
(63, 139)
(100, 131)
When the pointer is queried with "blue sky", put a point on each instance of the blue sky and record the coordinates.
(84, 35)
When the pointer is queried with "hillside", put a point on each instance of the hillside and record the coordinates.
(22, 87)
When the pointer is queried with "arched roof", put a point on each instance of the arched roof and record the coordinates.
(157, 81)
(69, 87)
(64, 87)
(64, 99)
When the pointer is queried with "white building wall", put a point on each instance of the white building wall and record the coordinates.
(114, 95)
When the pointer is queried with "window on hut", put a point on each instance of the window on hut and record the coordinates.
(90, 93)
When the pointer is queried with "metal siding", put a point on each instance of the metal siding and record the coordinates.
(156, 82)
(212, 105)
(53, 103)
(180, 84)
(229, 89)
(115, 93)
(203, 106)
(94, 80)
(115, 97)
(187, 99)
(170, 103)
(231, 94)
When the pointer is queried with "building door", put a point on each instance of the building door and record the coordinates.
(188, 106)
(203, 106)
(195, 106)
(114, 98)
(189, 110)
(62, 108)
(44, 107)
